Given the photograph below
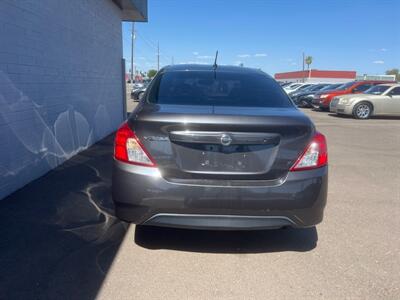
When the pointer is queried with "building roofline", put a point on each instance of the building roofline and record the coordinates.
(133, 10)
(313, 73)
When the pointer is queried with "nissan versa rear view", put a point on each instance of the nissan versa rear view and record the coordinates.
(219, 147)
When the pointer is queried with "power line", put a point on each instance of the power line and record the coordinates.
(161, 56)
(155, 46)
(147, 41)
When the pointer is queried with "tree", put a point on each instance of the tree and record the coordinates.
(151, 73)
(308, 60)
(394, 72)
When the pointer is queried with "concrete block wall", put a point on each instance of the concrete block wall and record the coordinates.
(60, 83)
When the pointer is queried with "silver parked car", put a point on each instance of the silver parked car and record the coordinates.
(382, 99)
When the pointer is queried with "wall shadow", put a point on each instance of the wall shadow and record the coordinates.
(58, 234)
(259, 241)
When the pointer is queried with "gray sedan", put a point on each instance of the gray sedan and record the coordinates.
(218, 147)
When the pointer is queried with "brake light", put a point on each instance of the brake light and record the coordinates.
(129, 149)
(315, 155)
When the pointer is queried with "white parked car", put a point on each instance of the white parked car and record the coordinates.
(296, 86)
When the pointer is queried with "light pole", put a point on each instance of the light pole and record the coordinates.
(132, 48)
(303, 65)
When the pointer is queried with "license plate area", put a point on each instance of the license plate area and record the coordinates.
(219, 159)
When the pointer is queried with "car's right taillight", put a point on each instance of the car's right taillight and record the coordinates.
(129, 149)
(314, 156)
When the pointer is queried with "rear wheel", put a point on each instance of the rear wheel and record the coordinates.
(362, 110)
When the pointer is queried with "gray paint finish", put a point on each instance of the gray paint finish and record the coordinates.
(60, 83)
(217, 166)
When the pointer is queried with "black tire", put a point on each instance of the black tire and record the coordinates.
(362, 111)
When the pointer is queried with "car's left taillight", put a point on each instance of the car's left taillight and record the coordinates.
(314, 156)
(129, 149)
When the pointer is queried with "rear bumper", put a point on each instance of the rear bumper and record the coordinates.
(142, 196)
(220, 222)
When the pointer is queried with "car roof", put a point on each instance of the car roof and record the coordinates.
(389, 84)
(220, 68)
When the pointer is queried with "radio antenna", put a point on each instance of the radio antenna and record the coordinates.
(215, 61)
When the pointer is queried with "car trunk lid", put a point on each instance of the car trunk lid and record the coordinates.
(217, 142)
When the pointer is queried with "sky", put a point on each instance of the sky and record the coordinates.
(363, 36)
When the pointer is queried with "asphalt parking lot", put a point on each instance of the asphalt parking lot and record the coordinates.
(61, 240)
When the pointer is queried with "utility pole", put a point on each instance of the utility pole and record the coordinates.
(158, 56)
(132, 48)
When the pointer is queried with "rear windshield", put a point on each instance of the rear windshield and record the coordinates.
(293, 86)
(345, 86)
(318, 87)
(217, 88)
(305, 86)
(331, 87)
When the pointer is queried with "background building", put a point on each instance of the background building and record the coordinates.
(316, 76)
(376, 77)
(61, 81)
